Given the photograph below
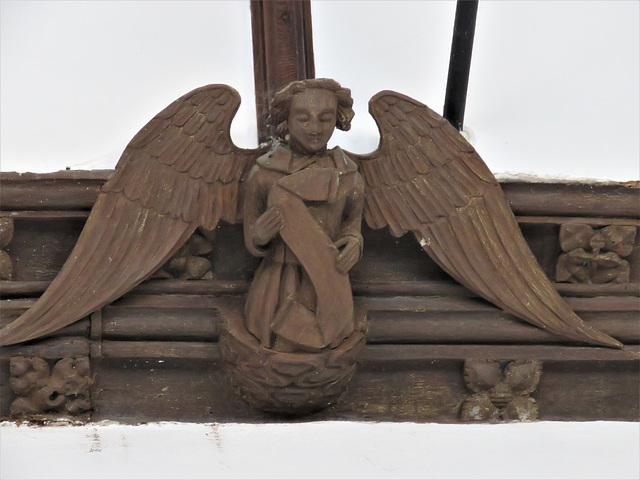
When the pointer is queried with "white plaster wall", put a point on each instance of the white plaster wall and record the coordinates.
(553, 92)
(80, 78)
(553, 88)
(595, 450)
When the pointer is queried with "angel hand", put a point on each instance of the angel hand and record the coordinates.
(267, 226)
(349, 255)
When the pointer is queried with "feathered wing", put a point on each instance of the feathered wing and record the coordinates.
(426, 178)
(179, 172)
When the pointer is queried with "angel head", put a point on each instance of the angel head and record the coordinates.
(306, 113)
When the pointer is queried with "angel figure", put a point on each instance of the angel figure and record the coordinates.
(302, 212)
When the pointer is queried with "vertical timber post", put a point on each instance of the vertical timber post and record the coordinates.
(460, 62)
(282, 50)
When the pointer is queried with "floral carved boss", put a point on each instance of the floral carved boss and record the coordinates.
(595, 255)
(40, 389)
(501, 390)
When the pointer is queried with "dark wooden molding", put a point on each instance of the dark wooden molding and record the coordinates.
(9, 289)
(29, 193)
(63, 190)
(561, 199)
(282, 50)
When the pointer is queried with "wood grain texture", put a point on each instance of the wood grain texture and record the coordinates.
(65, 190)
(50, 348)
(573, 199)
(425, 178)
(595, 222)
(595, 204)
(418, 390)
(282, 51)
(180, 171)
(380, 354)
(410, 288)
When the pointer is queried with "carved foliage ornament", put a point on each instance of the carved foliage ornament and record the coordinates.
(65, 389)
(501, 390)
(191, 262)
(301, 205)
(595, 255)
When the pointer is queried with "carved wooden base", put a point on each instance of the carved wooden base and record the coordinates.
(290, 383)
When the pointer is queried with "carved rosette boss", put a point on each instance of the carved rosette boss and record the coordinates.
(595, 255)
(501, 390)
(39, 389)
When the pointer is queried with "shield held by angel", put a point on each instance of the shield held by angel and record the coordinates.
(302, 205)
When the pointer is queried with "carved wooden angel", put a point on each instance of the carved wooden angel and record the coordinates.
(182, 171)
(302, 213)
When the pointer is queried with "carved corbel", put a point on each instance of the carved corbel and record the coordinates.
(6, 235)
(501, 390)
(595, 255)
(64, 389)
(291, 383)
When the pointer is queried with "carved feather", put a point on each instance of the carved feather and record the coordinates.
(179, 172)
(427, 179)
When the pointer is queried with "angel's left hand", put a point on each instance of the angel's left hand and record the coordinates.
(349, 253)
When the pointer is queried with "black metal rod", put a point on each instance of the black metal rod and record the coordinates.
(460, 62)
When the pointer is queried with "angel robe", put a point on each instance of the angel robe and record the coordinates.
(298, 300)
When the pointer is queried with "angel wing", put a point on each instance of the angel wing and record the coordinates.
(179, 172)
(426, 178)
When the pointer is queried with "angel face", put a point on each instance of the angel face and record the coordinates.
(312, 120)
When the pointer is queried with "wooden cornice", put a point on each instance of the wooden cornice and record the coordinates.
(78, 189)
